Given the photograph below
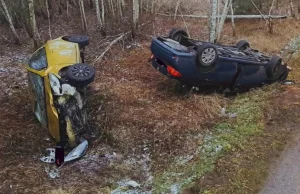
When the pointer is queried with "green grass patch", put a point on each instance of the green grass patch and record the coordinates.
(225, 137)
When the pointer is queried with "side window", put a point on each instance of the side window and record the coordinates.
(38, 61)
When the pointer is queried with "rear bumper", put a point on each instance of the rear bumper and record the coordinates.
(161, 68)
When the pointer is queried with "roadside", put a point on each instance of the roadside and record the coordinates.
(144, 132)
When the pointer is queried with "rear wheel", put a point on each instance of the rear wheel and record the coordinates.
(207, 55)
(243, 45)
(273, 66)
(81, 40)
(177, 34)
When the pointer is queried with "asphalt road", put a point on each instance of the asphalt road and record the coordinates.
(284, 177)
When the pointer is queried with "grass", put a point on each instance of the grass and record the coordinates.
(136, 106)
(225, 137)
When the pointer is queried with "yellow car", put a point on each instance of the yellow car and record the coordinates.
(57, 79)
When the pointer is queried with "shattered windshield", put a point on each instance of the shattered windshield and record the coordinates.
(39, 60)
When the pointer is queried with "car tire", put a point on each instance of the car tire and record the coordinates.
(177, 34)
(81, 40)
(81, 74)
(273, 66)
(207, 55)
(243, 45)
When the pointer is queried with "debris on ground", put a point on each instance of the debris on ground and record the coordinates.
(229, 115)
(129, 187)
(50, 158)
(77, 152)
(52, 173)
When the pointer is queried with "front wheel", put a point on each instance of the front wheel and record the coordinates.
(207, 56)
(273, 66)
(81, 74)
(81, 40)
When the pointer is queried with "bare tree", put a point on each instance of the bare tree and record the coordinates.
(292, 10)
(222, 21)
(10, 22)
(36, 36)
(232, 20)
(213, 20)
(83, 17)
(99, 18)
(135, 16)
(49, 21)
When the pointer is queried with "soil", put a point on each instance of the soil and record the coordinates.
(144, 118)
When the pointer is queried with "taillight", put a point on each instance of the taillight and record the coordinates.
(173, 72)
(151, 58)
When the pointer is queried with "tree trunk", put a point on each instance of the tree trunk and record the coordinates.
(36, 36)
(49, 20)
(298, 17)
(83, 17)
(222, 21)
(99, 18)
(135, 16)
(292, 9)
(103, 12)
(213, 20)
(10, 22)
(232, 21)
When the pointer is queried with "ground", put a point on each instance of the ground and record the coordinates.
(151, 131)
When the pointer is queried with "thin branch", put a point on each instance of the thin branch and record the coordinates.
(258, 10)
(230, 16)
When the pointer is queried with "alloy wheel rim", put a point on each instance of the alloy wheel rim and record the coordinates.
(208, 56)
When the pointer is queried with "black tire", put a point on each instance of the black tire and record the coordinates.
(177, 34)
(207, 55)
(273, 66)
(81, 74)
(243, 45)
(81, 40)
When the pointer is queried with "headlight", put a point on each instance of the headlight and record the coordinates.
(55, 84)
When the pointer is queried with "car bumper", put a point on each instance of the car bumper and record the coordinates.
(161, 68)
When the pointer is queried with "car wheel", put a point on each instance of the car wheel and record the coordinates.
(243, 45)
(81, 40)
(177, 34)
(207, 55)
(81, 74)
(273, 66)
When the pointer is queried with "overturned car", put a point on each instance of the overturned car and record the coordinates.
(197, 63)
(58, 79)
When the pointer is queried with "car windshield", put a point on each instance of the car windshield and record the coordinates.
(39, 60)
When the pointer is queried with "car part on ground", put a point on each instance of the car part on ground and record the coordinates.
(50, 157)
(202, 64)
(77, 152)
(58, 79)
(56, 153)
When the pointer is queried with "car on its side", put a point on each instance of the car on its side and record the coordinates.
(198, 63)
(58, 80)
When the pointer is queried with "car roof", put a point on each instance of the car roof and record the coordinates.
(59, 51)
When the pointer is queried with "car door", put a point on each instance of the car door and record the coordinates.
(37, 65)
